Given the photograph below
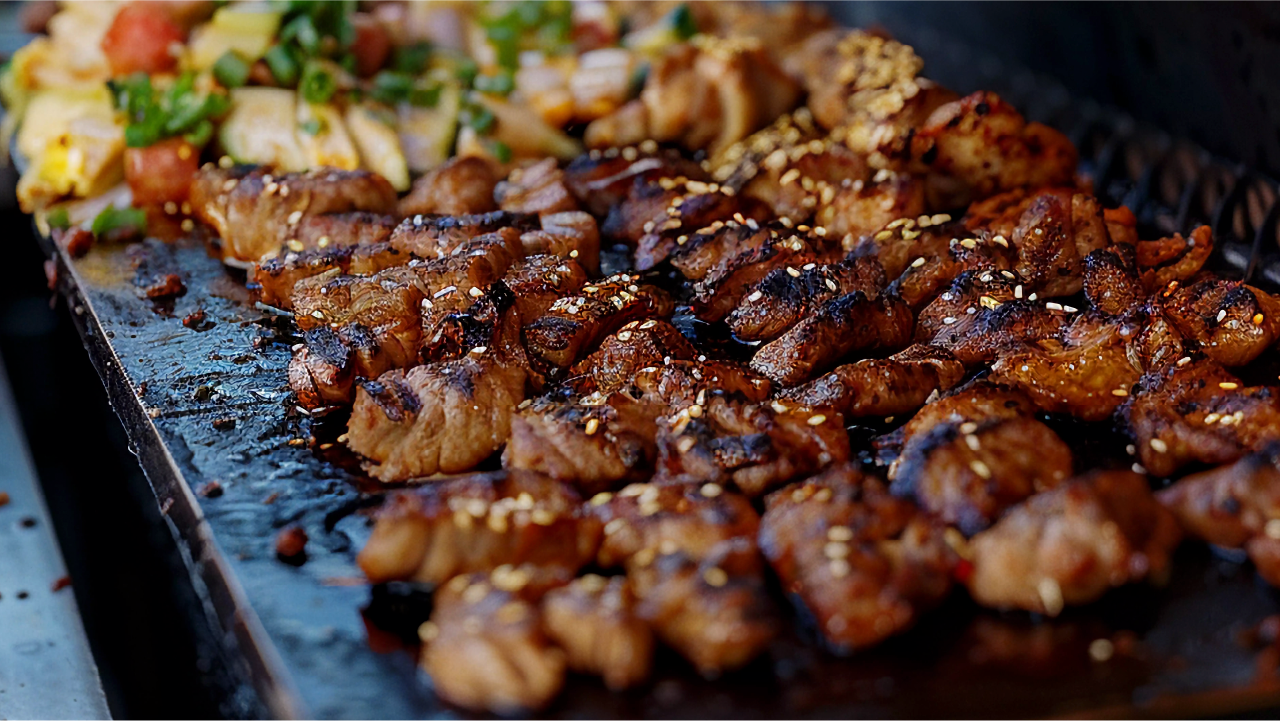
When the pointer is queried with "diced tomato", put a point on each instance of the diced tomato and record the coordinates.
(161, 173)
(139, 39)
(372, 44)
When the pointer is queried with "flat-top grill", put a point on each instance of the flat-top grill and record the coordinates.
(211, 404)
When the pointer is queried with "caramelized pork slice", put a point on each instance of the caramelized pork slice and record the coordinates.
(980, 145)
(851, 323)
(1088, 376)
(732, 278)
(255, 212)
(435, 237)
(864, 564)
(983, 315)
(574, 325)
(792, 167)
(1233, 323)
(328, 363)
(709, 249)
(678, 384)
(977, 402)
(571, 234)
(1236, 506)
(594, 446)
(275, 278)
(967, 474)
(713, 609)
(476, 523)
(1069, 545)
(755, 447)
(595, 620)
(445, 416)
(903, 243)
(1196, 411)
(1111, 281)
(539, 188)
(602, 180)
(385, 304)
(1174, 259)
(870, 388)
(785, 296)
(644, 519)
(1053, 238)
(485, 647)
(462, 186)
(926, 277)
(620, 358)
(670, 219)
(538, 281)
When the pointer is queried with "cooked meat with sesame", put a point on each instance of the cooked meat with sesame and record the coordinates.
(476, 523)
(275, 278)
(1231, 322)
(753, 446)
(571, 234)
(539, 188)
(328, 363)
(1053, 238)
(462, 186)
(927, 277)
(1195, 410)
(984, 315)
(1235, 506)
(898, 384)
(1111, 281)
(602, 180)
(1173, 259)
(255, 213)
(851, 323)
(785, 296)
(436, 237)
(538, 281)
(595, 620)
(1069, 545)
(679, 384)
(644, 519)
(672, 218)
(976, 402)
(594, 446)
(864, 564)
(728, 281)
(967, 474)
(713, 609)
(485, 647)
(621, 356)
(573, 325)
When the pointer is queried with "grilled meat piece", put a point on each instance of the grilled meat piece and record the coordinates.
(1197, 411)
(327, 364)
(981, 317)
(1165, 261)
(462, 186)
(602, 180)
(787, 295)
(479, 522)
(571, 234)
(595, 447)
(539, 188)
(1087, 376)
(436, 237)
(1236, 506)
(980, 145)
(446, 416)
(594, 619)
(1069, 545)
(275, 278)
(977, 402)
(669, 218)
(754, 447)
(255, 212)
(679, 384)
(967, 474)
(538, 281)
(787, 174)
(927, 277)
(1052, 239)
(621, 356)
(644, 519)
(1111, 281)
(865, 564)
(485, 647)
(712, 609)
(573, 325)
(1233, 323)
(852, 323)
(902, 243)
(869, 388)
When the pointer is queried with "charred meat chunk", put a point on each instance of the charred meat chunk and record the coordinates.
(785, 296)
(572, 234)
(1069, 545)
(327, 364)
(852, 323)
(476, 523)
(644, 519)
(621, 356)
(985, 314)
(602, 180)
(755, 447)
(573, 326)
(436, 237)
(255, 212)
(595, 620)
(1111, 281)
(539, 188)
(1233, 323)
(1174, 259)
(898, 384)
(680, 384)
(976, 402)
(968, 474)
(462, 186)
(865, 564)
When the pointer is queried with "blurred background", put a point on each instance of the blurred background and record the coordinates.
(1209, 72)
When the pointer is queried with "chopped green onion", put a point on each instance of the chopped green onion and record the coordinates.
(391, 87)
(200, 134)
(501, 84)
(282, 65)
(501, 151)
(141, 136)
(428, 97)
(682, 22)
(466, 70)
(506, 42)
(312, 127)
(231, 70)
(113, 218)
(58, 219)
(318, 84)
(302, 30)
(411, 59)
(477, 117)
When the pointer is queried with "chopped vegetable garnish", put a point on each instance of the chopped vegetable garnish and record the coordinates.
(58, 219)
(231, 70)
(318, 84)
(153, 117)
(283, 66)
(682, 22)
(501, 84)
(113, 218)
(411, 59)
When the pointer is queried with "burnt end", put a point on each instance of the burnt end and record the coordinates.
(396, 399)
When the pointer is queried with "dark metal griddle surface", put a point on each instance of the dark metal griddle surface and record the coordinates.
(296, 636)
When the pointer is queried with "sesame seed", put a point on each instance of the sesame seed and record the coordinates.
(793, 272)
(543, 517)
(1221, 314)
(1228, 386)
(839, 568)
(1101, 650)
(715, 577)
(980, 468)
(711, 490)
(480, 349)
(917, 262)
(1257, 319)
(294, 217)
(1050, 596)
(1159, 446)
(685, 444)
(1053, 306)
(1272, 529)
(973, 443)
(593, 425)
(1119, 392)
(840, 533)
(817, 420)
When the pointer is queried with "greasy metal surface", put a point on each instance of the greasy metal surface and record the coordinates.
(46, 668)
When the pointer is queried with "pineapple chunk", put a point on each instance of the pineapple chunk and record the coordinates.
(330, 144)
(379, 145)
(260, 128)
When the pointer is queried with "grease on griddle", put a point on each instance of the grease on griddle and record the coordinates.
(197, 321)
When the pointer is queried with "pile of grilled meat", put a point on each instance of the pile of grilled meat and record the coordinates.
(888, 256)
